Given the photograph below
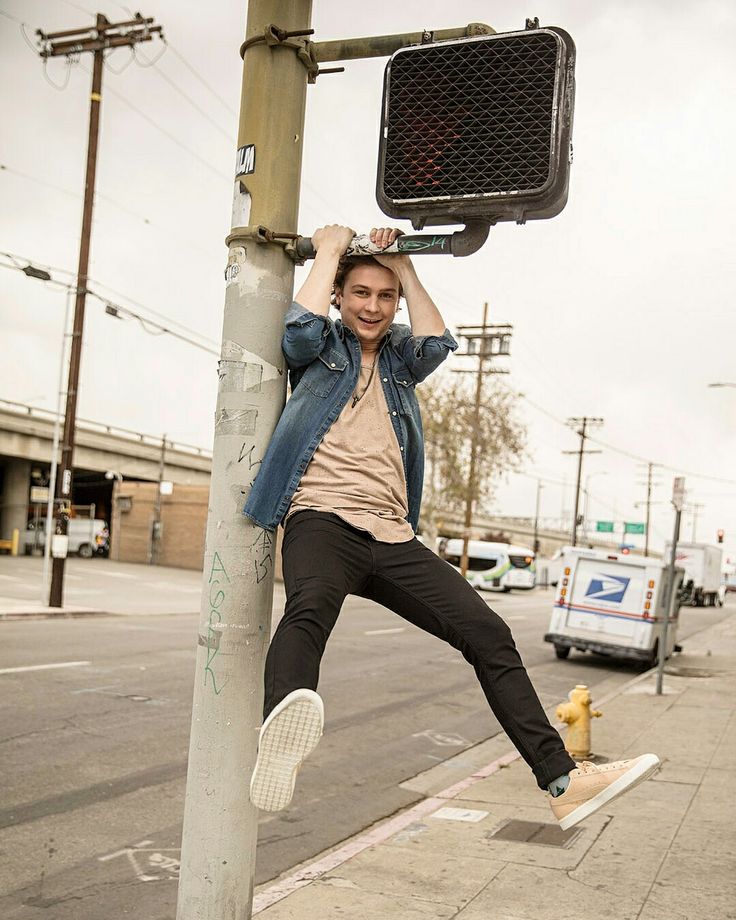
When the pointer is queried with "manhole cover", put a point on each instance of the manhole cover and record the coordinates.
(676, 671)
(546, 835)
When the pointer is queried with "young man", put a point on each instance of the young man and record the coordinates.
(343, 472)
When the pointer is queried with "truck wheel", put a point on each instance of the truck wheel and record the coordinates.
(562, 651)
(85, 551)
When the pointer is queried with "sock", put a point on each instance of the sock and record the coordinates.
(559, 785)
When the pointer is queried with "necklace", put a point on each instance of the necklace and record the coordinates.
(358, 396)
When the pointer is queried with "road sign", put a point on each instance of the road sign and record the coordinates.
(634, 528)
(604, 526)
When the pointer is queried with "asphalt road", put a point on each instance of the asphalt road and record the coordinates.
(94, 754)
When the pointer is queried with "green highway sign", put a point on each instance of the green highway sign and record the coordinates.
(604, 526)
(634, 528)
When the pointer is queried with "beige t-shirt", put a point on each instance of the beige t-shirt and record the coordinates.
(357, 472)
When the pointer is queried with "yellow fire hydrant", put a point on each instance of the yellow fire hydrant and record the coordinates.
(577, 713)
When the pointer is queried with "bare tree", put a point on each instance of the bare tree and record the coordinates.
(448, 414)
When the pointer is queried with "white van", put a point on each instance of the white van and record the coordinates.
(87, 536)
(562, 558)
(614, 605)
(494, 566)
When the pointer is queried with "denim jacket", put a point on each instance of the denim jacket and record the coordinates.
(323, 358)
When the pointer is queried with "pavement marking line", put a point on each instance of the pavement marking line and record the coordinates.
(45, 667)
(384, 632)
(307, 874)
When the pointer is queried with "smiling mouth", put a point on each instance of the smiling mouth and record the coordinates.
(369, 322)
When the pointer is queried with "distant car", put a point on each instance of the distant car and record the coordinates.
(87, 537)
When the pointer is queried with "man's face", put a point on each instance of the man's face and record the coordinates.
(368, 302)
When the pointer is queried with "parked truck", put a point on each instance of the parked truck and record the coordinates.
(703, 566)
(614, 605)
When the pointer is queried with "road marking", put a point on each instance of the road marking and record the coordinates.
(515, 617)
(45, 667)
(383, 632)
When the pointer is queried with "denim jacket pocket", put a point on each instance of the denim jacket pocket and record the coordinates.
(405, 388)
(322, 375)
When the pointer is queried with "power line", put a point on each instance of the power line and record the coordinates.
(101, 196)
(229, 135)
(619, 450)
(120, 309)
(202, 80)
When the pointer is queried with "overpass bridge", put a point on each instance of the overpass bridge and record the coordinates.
(26, 441)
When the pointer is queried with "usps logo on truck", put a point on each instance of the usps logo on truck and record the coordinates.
(611, 588)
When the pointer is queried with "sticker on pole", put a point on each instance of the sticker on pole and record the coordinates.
(246, 160)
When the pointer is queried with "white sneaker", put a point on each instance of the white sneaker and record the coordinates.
(287, 737)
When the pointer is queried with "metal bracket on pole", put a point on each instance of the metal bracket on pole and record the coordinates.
(461, 243)
(274, 36)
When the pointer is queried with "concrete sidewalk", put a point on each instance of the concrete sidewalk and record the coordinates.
(98, 586)
(664, 851)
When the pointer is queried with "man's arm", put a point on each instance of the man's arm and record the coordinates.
(306, 321)
(430, 341)
(329, 243)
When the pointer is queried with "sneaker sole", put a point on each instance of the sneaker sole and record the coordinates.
(289, 734)
(648, 765)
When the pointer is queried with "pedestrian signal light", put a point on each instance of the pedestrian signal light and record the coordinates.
(478, 128)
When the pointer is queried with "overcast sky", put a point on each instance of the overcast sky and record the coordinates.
(622, 306)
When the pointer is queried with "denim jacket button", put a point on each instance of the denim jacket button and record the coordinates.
(393, 413)
(385, 379)
(332, 365)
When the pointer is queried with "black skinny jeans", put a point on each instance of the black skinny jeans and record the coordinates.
(326, 559)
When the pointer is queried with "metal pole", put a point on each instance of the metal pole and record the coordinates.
(474, 448)
(535, 544)
(155, 550)
(64, 478)
(54, 455)
(650, 466)
(574, 537)
(220, 823)
(669, 602)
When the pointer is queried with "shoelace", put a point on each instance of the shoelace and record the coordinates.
(587, 767)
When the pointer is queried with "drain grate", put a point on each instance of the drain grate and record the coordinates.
(546, 835)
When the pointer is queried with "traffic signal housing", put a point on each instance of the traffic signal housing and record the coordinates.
(478, 128)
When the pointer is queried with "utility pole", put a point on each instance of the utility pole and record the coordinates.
(671, 602)
(650, 467)
(483, 342)
(220, 823)
(535, 543)
(582, 425)
(695, 508)
(95, 39)
(156, 528)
